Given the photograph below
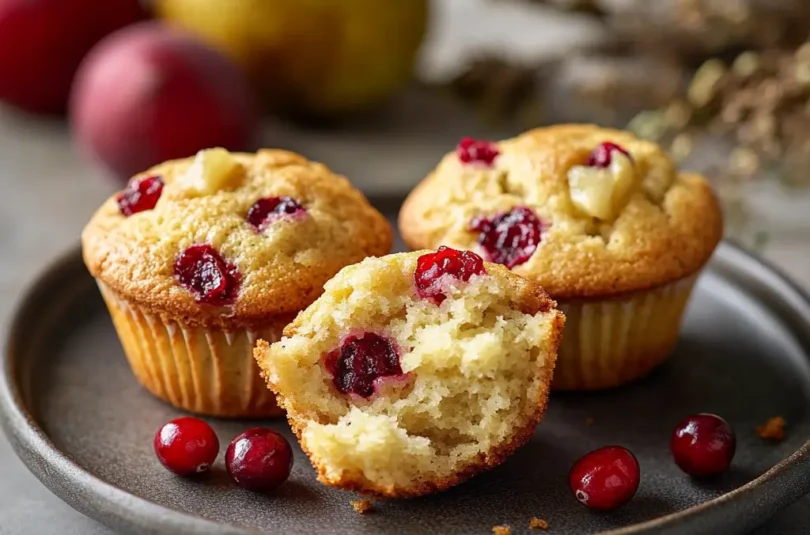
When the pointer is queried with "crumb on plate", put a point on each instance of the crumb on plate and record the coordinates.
(501, 530)
(773, 429)
(537, 523)
(362, 506)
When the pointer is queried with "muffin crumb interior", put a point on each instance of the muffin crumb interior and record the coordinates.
(476, 367)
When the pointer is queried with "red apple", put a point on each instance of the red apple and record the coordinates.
(151, 93)
(42, 43)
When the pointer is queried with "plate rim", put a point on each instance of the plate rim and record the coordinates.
(115, 507)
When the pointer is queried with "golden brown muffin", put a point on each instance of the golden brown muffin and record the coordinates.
(602, 220)
(199, 257)
(415, 371)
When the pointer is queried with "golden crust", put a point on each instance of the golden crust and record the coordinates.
(531, 299)
(667, 230)
(283, 268)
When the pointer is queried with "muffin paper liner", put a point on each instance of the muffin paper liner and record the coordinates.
(201, 370)
(610, 342)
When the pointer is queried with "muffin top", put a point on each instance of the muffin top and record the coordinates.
(225, 238)
(587, 212)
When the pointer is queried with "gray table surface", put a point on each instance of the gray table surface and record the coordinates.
(47, 194)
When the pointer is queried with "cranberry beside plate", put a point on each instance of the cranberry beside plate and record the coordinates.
(80, 422)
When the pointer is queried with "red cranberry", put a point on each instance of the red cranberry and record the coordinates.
(186, 446)
(360, 361)
(509, 238)
(202, 271)
(703, 445)
(265, 211)
(139, 195)
(606, 478)
(435, 271)
(471, 150)
(602, 155)
(259, 459)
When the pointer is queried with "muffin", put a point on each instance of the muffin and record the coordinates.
(198, 258)
(415, 371)
(602, 220)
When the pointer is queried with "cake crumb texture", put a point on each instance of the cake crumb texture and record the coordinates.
(477, 370)
(538, 523)
(362, 506)
(501, 530)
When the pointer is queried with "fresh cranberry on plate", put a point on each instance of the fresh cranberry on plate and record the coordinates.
(186, 446)
(703, 445)
(606, 478)
(259, 459)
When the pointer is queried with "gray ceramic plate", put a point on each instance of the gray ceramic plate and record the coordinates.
(77, 418)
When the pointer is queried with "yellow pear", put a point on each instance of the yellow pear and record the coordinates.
(317, 57)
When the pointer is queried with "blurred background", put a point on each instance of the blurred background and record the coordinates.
(92, 91)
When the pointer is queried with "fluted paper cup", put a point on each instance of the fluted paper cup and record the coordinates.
(199, 369)
(610, 342)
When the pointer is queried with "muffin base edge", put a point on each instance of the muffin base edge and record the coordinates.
(611, 342)
(202, 370)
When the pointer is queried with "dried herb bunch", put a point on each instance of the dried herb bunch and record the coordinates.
(607, 86)
(760, 101)
(698, 28)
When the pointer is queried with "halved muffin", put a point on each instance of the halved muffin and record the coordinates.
(415, 371)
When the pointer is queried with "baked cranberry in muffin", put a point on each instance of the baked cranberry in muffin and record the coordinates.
(435, 271)
(265, 211)
(140, 194)
(509, 238)
(476, 151)
(361, 363)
